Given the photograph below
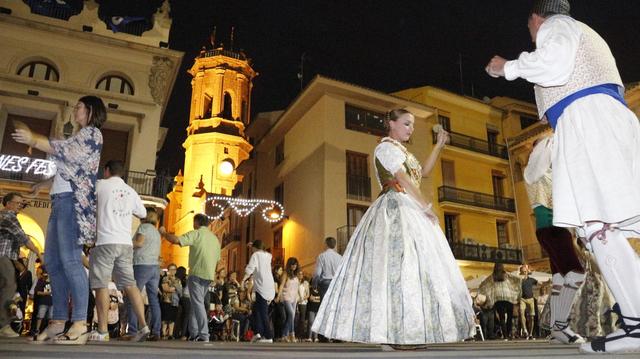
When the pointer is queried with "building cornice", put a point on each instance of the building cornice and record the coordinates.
(321, 86)
(91, 37)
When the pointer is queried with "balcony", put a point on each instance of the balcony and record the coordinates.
(476, 145)
(484, 253)
(147, 184)
(22, 176)
(222, 52)
(477, 199)
(359, 188)
(54, 9)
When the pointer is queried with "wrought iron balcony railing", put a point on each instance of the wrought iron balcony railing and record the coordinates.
(359, 188)
(476, 145)
(483, 253)
(222, 52)
(477, 199)
(149, 185)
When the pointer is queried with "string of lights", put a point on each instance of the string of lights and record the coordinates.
(271, 210)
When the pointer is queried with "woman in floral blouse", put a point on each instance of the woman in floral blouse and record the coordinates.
(72, 223)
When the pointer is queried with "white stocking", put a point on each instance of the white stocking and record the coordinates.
(620, 269)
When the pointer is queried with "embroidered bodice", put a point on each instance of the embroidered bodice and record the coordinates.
(390, 156)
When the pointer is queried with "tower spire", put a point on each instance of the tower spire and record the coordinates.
(231, 39)
(212, 38)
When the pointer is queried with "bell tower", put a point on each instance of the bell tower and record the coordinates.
(216, 143)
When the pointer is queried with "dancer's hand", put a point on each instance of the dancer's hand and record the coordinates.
(495, 67)
(442, 139)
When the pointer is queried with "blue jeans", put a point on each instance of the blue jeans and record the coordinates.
(63, 260)
(289, 324)
(147, 276)
(198, 323)
(261, 324)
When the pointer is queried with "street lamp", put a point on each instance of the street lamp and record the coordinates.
(226, 167)
(67, 129)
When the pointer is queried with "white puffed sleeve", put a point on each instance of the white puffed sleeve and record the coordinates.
(390, 156)
(552, 63)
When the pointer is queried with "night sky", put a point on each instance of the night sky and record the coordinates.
(384, 45)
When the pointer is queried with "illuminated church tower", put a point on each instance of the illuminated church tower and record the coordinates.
(215, 144)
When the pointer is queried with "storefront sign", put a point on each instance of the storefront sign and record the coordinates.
(27, 165)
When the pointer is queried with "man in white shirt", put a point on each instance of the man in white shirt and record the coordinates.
(326, 266)
(596, 167)
(259, 267)
(113, 255)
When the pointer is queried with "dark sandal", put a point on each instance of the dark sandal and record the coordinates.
(599, 344)
(65, 339)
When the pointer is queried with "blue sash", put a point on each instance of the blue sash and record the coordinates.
(555, 111)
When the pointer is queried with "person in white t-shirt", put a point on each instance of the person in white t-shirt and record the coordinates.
(113, 254)
(259, 267)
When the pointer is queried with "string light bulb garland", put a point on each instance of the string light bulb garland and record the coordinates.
(271, 210)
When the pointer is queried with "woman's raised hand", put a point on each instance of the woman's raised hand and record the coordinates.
(442, 139)
(23, 135)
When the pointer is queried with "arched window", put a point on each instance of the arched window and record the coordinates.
(39, 70)
(115, 83)
(226, 110)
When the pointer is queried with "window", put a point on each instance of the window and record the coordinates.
(280, 152)
(227, 112)
(451, 227)
(278, 194)
(11, 147)
(492, 138)
(448, 173)
(277, 251)
(40, 71)
(445, 121)
(354, 214)
(115, 145)
(366, 121)
(497, 179)
(113, 83)
(358, 181)
(526, 121)
(206, 106)
(503, 234)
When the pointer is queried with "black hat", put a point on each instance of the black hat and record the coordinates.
(544, 7)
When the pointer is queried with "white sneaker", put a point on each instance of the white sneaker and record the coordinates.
(8, 332)
(256, 338)
(265, 340)
(617, 342)
(96, 336)
(566, 336)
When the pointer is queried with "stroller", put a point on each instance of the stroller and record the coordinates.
(218, 323)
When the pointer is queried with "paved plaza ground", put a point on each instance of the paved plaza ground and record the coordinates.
(22, 348)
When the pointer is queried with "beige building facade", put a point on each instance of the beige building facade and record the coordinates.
(48, 62)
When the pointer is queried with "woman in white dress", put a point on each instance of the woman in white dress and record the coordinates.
(398, 282)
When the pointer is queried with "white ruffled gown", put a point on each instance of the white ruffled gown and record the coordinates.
(398, 282)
